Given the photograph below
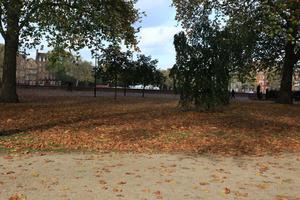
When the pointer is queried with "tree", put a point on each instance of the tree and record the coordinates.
(167, 80)
(1, 62)
(159, 79)
(59, 61)
(182, 71)
(274, 36)
(204, 60)
(73, 24)
(173, 75)
(67, 67)
(145, 71)
(128, 71)
(81, 71)
(274, 79)
(112, 61)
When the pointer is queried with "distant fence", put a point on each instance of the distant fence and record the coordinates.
(39, 83)
(99, 89)
(119, 90)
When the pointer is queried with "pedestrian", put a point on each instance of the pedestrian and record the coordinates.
(232, 94)
(69, 86)
(258, 92)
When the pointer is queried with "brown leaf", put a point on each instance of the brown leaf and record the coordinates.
(18, 197)
(102, 182)
(227, 190)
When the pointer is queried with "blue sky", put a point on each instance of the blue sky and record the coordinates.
(156, 34)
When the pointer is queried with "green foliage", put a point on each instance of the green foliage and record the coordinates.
(167, 79)
(146, 73)
(127, 76)
(159, 78)
(203, 64)
(67, 67)
(113, 64)
(243, 83)
(73, 24)
(267, 33)
(119, 68)
(274, 78)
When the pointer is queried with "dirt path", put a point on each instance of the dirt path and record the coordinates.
(135, 176)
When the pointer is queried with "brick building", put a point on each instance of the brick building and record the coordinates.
(34, 72)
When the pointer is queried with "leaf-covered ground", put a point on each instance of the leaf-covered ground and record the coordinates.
(147, 125)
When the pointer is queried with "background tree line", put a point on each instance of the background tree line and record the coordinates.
(69, 68)
(115, 68)
(120, 69)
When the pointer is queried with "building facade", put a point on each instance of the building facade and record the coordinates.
(34, 72)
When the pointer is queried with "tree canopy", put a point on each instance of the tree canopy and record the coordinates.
(113, 63)
(119, 68)
(72, 24)
(269, 32)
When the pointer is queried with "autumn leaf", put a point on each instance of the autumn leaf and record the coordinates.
(227, 190)
(35, 174)
(122, 183)
(18, 197)
(74, 124)
(102, 182)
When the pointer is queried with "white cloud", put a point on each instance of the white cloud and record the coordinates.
(157, 41)
(157, 36)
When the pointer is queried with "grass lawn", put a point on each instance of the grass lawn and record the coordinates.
(147, 125)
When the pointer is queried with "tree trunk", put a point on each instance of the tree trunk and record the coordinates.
(9, 86)
(143, 94)
(174, 87)
(115, 97)
(125, 89)
(286, 95)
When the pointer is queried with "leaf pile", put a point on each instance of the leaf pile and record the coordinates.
(148, 125)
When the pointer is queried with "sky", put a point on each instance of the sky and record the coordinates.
(156, 35)
(158, 30)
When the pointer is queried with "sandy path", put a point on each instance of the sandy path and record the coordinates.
(135, 176)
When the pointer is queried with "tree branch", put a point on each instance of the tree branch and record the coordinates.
(32, 10)
(278, 10)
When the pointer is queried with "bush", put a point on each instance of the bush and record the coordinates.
(274, 94)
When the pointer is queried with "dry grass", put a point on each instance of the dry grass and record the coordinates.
(148, 125)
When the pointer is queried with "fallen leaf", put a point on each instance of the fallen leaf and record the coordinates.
(227, 190)
(18, 197)
(122, 183)
(35, 174)
(103, 182)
